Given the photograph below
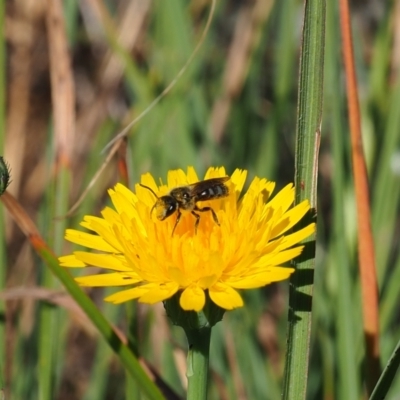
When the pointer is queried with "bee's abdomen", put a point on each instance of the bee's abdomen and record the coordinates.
(213, 192)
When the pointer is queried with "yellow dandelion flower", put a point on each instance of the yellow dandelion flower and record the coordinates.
(242, 243)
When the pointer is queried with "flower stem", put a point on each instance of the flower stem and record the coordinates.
(197, 326)
(197, 362)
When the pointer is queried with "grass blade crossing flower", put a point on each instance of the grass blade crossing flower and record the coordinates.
(244, 248)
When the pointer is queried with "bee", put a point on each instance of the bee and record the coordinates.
(186, 198)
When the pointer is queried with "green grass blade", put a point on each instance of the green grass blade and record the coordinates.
(50, 343)
(97, 388)
(71, 20)
(308, 127)
(386, 192)
(390, 298)
(387, 376)
(381, 59)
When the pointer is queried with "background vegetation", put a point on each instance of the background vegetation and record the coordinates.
(235, 106)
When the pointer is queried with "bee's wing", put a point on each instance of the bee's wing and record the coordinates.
(210, 189)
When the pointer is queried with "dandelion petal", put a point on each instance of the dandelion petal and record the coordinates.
(159, 293)
(225, 297)
(193, 298)
(113, 279)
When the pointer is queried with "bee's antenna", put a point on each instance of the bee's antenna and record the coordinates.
(151, 190)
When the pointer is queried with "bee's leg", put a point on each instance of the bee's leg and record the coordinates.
(196, 224)
(176, 222)
(212, 212)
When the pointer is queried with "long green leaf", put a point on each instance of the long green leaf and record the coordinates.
(308, 131)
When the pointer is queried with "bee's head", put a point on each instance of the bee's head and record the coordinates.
(165, 206)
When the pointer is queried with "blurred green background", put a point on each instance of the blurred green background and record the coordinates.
(235, 106)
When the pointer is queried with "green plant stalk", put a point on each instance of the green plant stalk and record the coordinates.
(197, 327)
(390, 299)
(381, 60)
(62, 189)
(46, 348)
(50, 343)
(285, 56)
(308, 131)
(385, 381)
(97, 385)
(197, 362)
(71, 20)
(386, 193)
(126, 357)
(328, 373)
